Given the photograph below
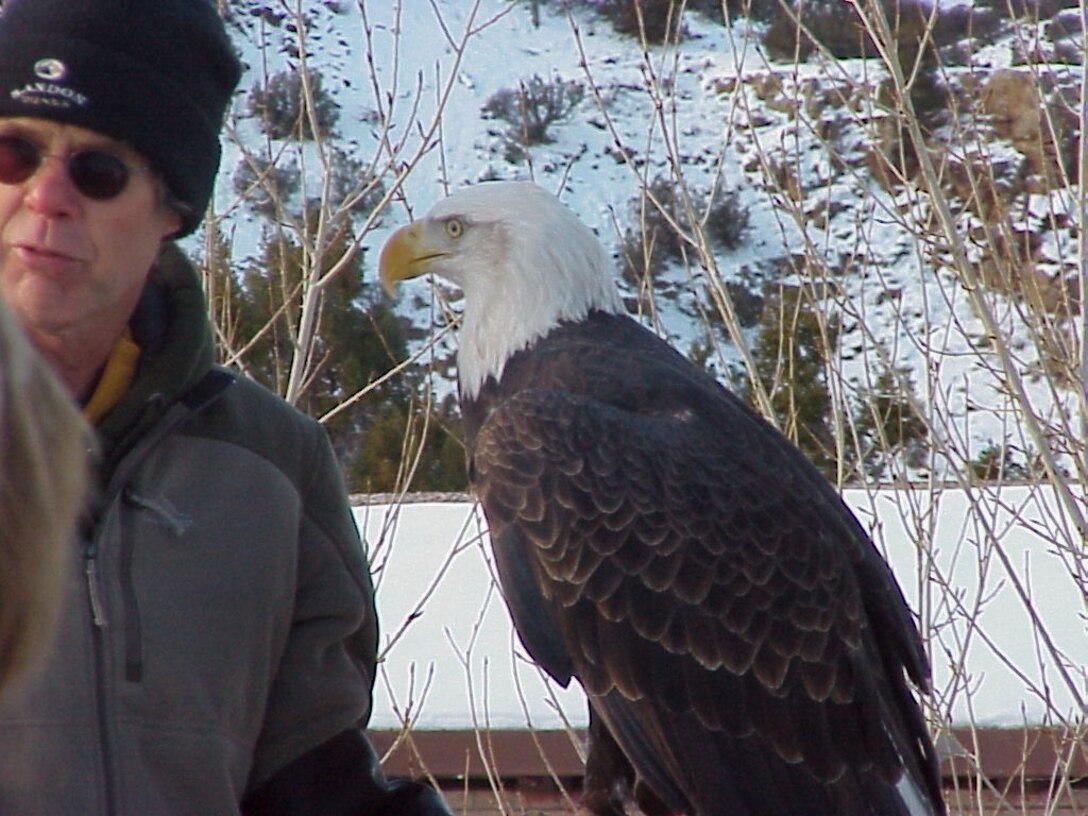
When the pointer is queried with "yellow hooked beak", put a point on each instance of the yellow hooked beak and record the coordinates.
(406, 255)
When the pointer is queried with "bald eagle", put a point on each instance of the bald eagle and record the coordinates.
(743, 647)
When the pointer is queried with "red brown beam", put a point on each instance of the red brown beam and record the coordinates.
(1029, 753)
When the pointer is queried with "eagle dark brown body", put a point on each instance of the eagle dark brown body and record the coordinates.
(744, 648)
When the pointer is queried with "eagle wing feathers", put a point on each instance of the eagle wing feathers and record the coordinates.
(667, 585)
(687, 565)
(744, 648)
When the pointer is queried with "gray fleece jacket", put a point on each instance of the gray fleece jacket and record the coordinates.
(219, 619)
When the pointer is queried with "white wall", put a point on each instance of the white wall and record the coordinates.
(999, 590)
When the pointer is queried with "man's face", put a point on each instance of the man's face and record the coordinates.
(72, 266)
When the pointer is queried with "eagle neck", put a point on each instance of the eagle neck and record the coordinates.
(492, 333)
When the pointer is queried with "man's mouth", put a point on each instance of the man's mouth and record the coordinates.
(40, 256)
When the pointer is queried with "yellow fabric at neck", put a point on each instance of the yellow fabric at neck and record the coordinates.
(116, 378)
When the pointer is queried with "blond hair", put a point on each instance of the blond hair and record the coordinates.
(43, 467)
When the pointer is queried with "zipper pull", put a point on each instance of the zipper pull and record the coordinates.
(98, 614)
(161, 510)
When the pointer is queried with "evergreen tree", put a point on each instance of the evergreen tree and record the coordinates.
(391, 445)
(358, 337)
(888, 426)
(791, 353)
(308, 232)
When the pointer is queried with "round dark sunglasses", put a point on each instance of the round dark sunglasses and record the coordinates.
(95, 174)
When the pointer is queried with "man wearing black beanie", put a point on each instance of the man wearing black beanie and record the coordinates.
(217, 640)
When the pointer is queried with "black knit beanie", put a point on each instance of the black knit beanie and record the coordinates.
(155, 74)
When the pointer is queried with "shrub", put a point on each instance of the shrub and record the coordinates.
(658, 236)
(272, 189)
(1035, 10)
(280, 105)
(266, 187)
(533, 107)
(887, 425)
(747, 303)
(835, 25)
(353, 183)
(661, 20)
(1066, 24)
(996, 463)
(727, 219)
(358, 337)
(641, 258)
(656, 21)
(654, 229)
(764, 11)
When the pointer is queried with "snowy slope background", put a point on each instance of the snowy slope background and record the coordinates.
(411, 84)
(1002, 599)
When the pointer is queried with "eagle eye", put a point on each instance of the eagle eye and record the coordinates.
(455, 228)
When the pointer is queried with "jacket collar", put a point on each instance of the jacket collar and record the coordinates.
(171, 327)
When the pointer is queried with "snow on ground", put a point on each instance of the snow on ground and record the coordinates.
(708, 110)
(452, 660)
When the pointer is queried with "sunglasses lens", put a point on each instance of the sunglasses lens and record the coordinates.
(98, 175)
(18, 159)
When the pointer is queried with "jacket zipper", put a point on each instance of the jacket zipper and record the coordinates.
(206, 391)
(99, 619)
(94, 591)
(177, 524)
(133, 628)
(98, 635)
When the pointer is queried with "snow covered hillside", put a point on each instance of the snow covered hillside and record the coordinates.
(964, 305)
(907, 235)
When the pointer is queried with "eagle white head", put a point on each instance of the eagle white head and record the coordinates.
(523, 260)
